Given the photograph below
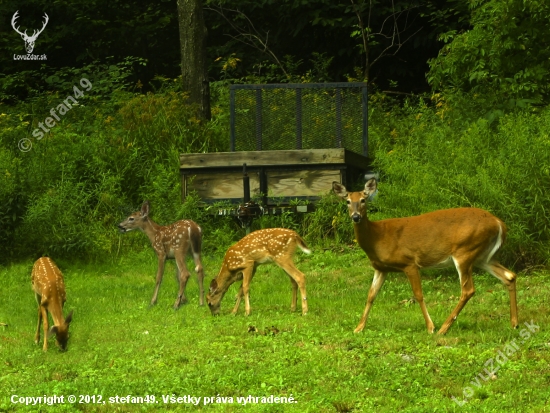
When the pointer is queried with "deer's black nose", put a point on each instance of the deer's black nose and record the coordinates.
(356, 217)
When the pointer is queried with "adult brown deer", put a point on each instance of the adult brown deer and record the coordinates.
(276, 245)
(170, 242)
(465, 237)
(49, 290)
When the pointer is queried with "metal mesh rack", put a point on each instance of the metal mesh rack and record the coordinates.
(299, 116)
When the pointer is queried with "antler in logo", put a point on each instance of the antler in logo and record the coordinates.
(29, 40)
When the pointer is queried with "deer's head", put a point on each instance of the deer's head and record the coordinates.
(214, 297)
(357, 201)
(135, 220)
(61, 332)
(230, 272)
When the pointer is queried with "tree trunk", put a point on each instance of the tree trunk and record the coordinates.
(193, 54)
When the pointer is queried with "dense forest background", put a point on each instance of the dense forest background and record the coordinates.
(459, 93)
(247, 40)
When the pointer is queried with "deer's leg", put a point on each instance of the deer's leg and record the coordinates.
(44, 314)
(377, 282)
(238, 301)
(200, 275)
(508, 278)
(183, 277)
(299, 279)
(195, 240)
(467, 286)
(248, 273)
(294, 294)
(160, 272)
(413, 275)
(37, 335)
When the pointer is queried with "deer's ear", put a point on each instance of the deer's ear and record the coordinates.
(145, 208)
(370, 187)
(69, 318)
(52, 331)
(213, 286)
(339, 189)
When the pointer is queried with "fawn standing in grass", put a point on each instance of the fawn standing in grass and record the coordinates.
(49, 290)
(275, 245)
(172, 241)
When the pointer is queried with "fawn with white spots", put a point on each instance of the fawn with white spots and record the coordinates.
(276, 245)
(49, 290)
(170, 242)
(463, 237)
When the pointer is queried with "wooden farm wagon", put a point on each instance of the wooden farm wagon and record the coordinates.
(288, 142)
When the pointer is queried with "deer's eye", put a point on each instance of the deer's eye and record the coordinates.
(348, 201)
(130, 219)
(362, 200)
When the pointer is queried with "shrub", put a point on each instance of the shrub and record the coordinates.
(66, 194)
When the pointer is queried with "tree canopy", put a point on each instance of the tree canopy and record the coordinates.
(321, 39)
(507, 52)
(408, 46)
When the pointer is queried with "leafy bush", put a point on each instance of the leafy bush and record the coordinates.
(500, 55)
(106, 78)
(329, 223)
(100, 162)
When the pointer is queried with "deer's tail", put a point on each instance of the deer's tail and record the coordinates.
(302, 244)
(196, 239)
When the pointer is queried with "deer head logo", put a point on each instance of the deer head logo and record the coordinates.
(29, 40)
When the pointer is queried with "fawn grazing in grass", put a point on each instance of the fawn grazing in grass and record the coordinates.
(49, 290)
(276, 245)
(172, 241)
(463, 237)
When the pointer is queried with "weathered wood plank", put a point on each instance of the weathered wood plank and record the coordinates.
(220, 186)
(301, 183)
(272, 158)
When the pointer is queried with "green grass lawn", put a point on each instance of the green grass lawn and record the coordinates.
(119, 346)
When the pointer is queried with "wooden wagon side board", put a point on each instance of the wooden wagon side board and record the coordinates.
(273, 158)
(300, 183)
(227, 185)
(274, 175)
